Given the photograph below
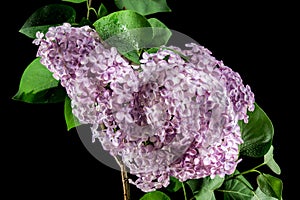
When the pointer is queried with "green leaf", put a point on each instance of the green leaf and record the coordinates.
(208, 187)
(257, 134)
(144, 7)
(47, 16)
(70, 119)
(237, 188)
(37, 85)
(152, 50)
(174, 185)
(102, 11)
(259, 195)
(270, 185)
(126, 30)
(205, 188)
(119, 4)
(161, 33)
(271, 163)
(155, 195)
(75, 1)
(195, 184)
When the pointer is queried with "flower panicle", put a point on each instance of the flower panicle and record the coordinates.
(173, 117)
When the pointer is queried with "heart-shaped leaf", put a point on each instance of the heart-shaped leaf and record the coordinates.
(126, 30)
(75, 1)
(47, 16)
(271, 163)
(144, 7)
(70, 119)
(270, 185)
(237, 187)
(37, 85)
(257, 133)
(204, 188)
(155, 195)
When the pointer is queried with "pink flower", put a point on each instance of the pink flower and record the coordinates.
(166, 117)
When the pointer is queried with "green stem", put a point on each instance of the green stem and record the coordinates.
(247, 171)
(93, 9)
(90, 8)
(88, 5)
(184, 191)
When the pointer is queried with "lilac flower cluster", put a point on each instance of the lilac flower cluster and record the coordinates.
(176, 114)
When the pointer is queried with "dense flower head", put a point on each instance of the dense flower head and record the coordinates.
(176, 114)
(63, 48)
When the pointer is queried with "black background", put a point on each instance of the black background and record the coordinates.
(254, 39)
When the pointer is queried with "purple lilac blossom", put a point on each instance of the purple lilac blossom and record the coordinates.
(176, 114)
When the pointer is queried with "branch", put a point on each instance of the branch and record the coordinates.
(125, 183)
